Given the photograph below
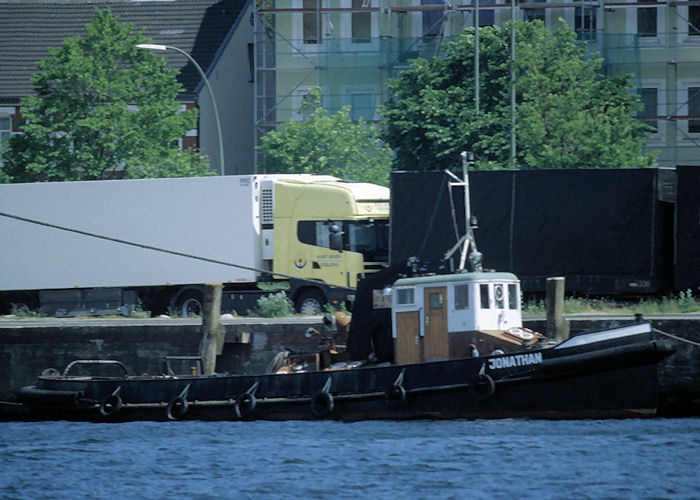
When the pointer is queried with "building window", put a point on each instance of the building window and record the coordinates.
(646, 19)
(461, 297)
(694, 20)
(585, 23)
(432, 19)
(5, 133)
(533, 14)
(303, 104)
(362, 106)
(486, 16)
(361, 22)
(651, 106)
(694, 110)
(311, 21)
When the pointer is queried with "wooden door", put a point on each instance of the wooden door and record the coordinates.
(408, 342)
(437, 345)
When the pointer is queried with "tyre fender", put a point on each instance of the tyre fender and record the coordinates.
(482, 387)
(322, 404)
(177, 407)
(395, 396)
(245, 405)
(110, 405)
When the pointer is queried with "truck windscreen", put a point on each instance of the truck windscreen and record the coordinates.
(368, 237)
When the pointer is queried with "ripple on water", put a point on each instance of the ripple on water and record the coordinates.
(422, 459)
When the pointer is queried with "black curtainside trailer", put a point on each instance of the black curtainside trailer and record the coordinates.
(608, 231)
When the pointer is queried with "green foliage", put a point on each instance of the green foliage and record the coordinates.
(684, 302)
(568, 115)
(102, 105)
(327, 144)
(274, 305)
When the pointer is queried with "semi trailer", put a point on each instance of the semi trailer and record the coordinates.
(96, 247)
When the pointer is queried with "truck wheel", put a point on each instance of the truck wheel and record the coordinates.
(189, 304)
(310, 303)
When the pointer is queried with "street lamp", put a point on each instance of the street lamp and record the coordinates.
(151, 46)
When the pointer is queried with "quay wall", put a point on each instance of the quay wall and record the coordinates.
(26, 349)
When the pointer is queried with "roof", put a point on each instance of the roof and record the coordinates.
(27, 29)
(455, 278)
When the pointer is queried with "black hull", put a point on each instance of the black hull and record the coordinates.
(610, 378)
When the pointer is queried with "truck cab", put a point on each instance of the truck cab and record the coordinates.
(326, 229)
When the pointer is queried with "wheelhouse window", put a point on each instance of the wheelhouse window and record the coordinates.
(435, 300)
(405, 296)
(461, 297)
(513, 298)
(499, 296)
(484, 296)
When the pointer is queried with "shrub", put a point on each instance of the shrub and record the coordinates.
(274, 305)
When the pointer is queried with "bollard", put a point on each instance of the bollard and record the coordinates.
(212, 331)
(557, 325)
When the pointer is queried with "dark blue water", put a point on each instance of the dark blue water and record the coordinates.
(291, 460)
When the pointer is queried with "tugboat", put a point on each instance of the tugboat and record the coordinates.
(455, 348)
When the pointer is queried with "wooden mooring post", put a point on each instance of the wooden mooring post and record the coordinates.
(212, 329)
(557, 325)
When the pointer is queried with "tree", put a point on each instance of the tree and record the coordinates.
(568, 114)
(101, 105)
(327, 144)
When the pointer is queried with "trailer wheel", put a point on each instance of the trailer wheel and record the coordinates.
(189, 304)
(310, 302)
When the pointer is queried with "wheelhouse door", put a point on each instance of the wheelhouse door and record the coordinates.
(435, 317)
(408, 341)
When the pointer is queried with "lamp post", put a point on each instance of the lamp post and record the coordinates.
(151, 46)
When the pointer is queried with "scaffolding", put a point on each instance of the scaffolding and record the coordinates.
(349, 48)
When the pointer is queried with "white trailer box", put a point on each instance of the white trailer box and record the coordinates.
(212, 217)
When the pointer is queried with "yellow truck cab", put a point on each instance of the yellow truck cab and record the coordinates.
(326, 229)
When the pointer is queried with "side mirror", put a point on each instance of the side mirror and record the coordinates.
(335, 238)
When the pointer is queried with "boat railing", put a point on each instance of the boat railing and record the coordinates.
(95, 362)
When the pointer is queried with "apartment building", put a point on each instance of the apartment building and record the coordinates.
(349, 48)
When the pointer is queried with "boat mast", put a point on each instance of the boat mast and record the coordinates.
(467, 241)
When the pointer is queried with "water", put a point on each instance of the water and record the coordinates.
(290, 460)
